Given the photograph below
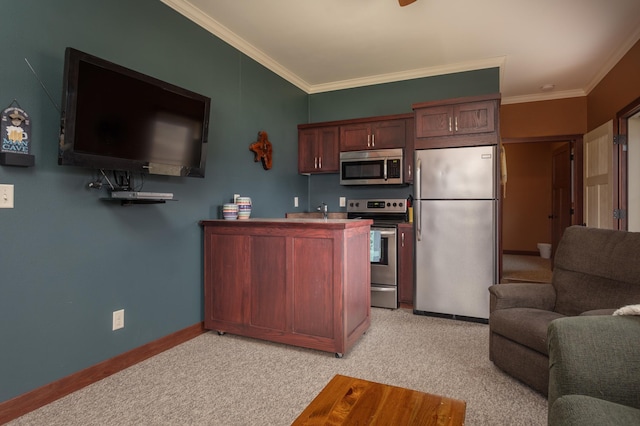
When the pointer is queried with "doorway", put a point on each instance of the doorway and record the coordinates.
(542, 196)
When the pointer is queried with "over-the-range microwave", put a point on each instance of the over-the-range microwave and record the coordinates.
(372, 167)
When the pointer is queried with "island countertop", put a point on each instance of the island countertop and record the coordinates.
(303, 282)
(286, 222)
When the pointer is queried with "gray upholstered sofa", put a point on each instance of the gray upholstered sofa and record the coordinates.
(595, 272)
(594, 371)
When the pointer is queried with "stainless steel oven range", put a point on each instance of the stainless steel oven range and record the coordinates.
(386, 214)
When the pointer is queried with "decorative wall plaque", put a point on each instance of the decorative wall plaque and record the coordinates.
(15, 128)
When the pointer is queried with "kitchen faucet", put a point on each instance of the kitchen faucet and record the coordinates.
(324, 209)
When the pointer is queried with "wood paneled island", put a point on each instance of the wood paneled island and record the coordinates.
(303, 282)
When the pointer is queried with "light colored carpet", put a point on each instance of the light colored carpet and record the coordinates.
(231, 380)
(520, 268)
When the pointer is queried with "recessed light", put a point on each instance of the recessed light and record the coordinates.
(547, 87)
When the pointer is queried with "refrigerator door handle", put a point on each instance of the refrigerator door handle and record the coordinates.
(418, 197)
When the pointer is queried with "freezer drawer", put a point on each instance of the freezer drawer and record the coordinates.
(384, 296)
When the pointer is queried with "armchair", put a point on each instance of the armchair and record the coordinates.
(594, 371)
(595, 272)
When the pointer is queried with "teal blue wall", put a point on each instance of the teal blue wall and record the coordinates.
(68, 260)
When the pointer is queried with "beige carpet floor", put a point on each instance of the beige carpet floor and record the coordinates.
(231, 380)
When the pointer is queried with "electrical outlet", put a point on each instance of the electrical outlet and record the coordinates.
(295, 201)
(343, 202)
(6, 196)
(118, 320)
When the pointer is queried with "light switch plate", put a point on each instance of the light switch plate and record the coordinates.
(118, 320)
(6, 196)
(343, 202)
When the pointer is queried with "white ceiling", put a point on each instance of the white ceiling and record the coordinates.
(323, 45)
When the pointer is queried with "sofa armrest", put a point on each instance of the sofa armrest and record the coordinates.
(525, 295)
(595, 356)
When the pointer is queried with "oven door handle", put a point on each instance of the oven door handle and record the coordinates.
(385, 233)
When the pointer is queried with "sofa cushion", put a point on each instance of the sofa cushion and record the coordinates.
(581, 410)
(596, 269)
(526, 326)
(577, 292)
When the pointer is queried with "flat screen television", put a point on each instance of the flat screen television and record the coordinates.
(114, 118)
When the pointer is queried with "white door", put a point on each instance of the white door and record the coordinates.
(633, 173)
(598, 177)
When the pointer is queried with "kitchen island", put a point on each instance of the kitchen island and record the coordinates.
(303, 282)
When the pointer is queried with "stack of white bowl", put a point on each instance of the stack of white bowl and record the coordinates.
(244, 207)
(230, 211)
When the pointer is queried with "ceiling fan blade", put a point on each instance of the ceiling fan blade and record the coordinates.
(405, 2)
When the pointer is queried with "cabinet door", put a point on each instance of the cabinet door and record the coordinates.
(226, 278)
(268, 292)
(313, 287)
(474, 117)
(318, 150)
(388, 134)
(307, 151)
(405, 263)
(434, 121)
(328, 150)
(355, 137)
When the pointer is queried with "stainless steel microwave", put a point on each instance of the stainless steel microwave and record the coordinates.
(372, 167)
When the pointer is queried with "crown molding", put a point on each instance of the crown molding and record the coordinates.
(547, 96)
(497, 62)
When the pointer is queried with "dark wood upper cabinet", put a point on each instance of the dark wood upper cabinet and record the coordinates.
(373, 135)
(457, 122)
(318, 150)
(320, 144)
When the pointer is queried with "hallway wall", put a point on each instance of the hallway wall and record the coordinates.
(527, 204)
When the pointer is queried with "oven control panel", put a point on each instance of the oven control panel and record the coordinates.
(378, 206)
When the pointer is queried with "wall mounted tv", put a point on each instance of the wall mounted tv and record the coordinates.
(114, 118)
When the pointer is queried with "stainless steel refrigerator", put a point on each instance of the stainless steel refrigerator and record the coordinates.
(456, 209)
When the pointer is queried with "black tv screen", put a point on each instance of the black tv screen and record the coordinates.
(118, 119)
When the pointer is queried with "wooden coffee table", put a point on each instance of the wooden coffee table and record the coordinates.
(350, 401)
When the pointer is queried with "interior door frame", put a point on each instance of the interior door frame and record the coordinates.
(621, 161)
(577, 148)
(559, 219)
